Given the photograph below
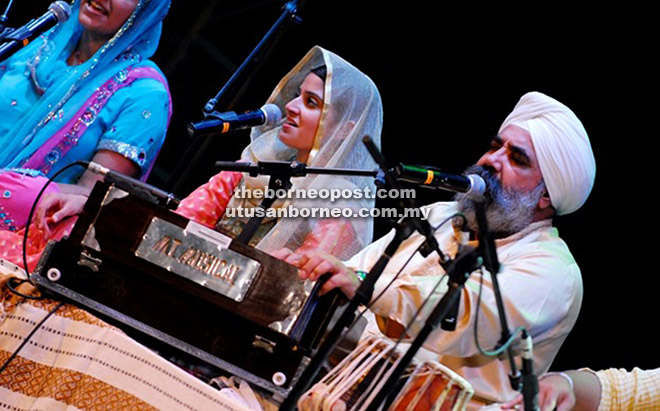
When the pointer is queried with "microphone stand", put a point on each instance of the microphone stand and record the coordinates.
(403, 229)
(280, 180)
(3, 21)
(459, 271)
(289, 14)
(290, 168)
(530, 383)
(492, 264)
(279, 183)
(487, 243)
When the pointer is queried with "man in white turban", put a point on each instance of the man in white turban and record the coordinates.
(562, 149)
(540, 164)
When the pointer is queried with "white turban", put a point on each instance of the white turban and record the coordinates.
(562, 148)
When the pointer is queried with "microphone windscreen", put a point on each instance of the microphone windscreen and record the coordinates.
(61, 10)
(478, 185)
(273, 114)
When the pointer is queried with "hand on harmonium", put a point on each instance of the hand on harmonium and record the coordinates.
(314, 264)
(282, 253)
(56, 207)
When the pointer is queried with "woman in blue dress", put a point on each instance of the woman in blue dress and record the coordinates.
(85, 90)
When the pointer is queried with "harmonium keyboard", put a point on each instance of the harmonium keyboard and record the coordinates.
(158, 275)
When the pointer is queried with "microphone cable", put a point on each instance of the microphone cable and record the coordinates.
(14, 283)
(396, 276)
(29, 336)
(507, 343)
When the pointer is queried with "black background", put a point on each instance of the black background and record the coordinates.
(448, 76)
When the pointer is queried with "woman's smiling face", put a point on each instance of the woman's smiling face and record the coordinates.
(104, 17)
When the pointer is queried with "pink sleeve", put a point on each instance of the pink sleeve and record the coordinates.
(330, 236)
(207, 204)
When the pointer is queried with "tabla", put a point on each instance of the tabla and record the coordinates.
(354, 382)
(432, 386)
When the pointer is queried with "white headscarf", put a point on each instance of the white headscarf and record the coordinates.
(352, 109)
(562, 148)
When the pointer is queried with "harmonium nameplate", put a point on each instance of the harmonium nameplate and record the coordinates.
(200, 255)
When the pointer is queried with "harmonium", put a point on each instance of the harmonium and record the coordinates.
(160, 276)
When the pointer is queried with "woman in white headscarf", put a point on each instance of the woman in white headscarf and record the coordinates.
(330, 105)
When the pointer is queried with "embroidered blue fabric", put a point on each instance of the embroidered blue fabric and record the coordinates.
(40, 93)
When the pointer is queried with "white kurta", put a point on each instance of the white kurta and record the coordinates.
(540, 284)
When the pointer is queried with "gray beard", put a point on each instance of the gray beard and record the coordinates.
(507, 211)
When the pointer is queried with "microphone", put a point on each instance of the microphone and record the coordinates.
(220, 123)
(530, 384)
(133, 186)
(472, 184)
(58, 12)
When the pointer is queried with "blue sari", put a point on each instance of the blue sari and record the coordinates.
(40, 95)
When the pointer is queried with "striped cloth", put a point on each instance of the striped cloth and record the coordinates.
(76, 361)
(636, 390)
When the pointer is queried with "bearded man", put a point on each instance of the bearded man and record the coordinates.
(539, 165)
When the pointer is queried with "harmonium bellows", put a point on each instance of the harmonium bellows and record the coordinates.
(146, 269)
